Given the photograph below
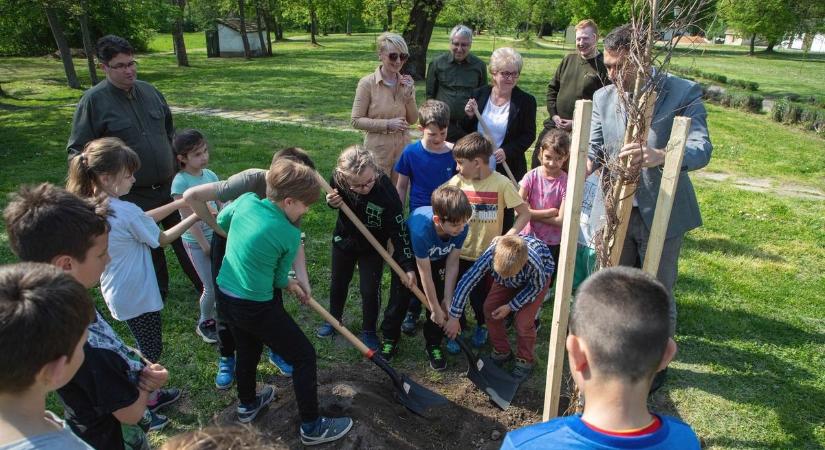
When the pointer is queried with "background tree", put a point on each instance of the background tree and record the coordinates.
(86, 35)
(242, 16)
(770, 19)
(177, 33)
(265, 49)
(62, 45)
(417, 33)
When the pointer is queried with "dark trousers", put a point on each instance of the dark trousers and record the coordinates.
(477, 295)
(147, 198)
(554, 250)
(254, 324)
(370, 267)
(400, 298)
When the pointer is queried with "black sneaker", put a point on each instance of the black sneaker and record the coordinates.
(208, 331)
(389, 348)
(248, 412)
(157, 422)
(436, 357)
(409, 324)
(165, 397)
(328, 429)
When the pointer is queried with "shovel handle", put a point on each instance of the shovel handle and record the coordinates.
(342, 330)
(489, 138)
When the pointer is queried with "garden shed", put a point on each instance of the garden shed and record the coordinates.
(225, 40)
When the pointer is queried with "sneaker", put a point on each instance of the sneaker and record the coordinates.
(500, 358)
(452, 347)
(409, 324)
(370, 339)
(208, 331)
(521, 370)
(480, 336)
(389, 348)
(436, 357)
(226, 372)
(326, 330)
(284, 367)
(157, 422)
(327, 429)
(165, 397)
(248, 412)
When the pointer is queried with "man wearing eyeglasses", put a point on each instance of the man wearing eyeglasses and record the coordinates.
(452, 77)
(124, 107)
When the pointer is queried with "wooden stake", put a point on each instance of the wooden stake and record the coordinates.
(567, 256)
(667, 189)
(490, 138)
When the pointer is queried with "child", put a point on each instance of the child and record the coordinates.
(261, 243)
(359, 183)
(489, 193)
(618, 340)
(110, 392)
(39, 303)
(521, 267)
(437, 234)
(192, 152)
(544, 189)
(423, 166)
(129, 285)
(198, 198)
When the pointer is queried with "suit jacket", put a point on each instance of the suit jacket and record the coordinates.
(676, 97)
(521, 127)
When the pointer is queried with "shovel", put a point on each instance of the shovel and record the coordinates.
(412, 395)
(486, 375)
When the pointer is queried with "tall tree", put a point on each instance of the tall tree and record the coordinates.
(769, 19)
(259, 22)
(242, 15)
(88, 48)
(177, 34)
(268, 22)
(418, 32)
(313, 21)
(62, 45)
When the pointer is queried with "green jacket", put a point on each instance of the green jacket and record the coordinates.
(453, 82)
(575, 79)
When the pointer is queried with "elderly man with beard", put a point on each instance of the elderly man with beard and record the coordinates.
(452, 77)
(579, 75)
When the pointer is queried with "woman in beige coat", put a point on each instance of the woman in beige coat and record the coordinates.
(384, 104)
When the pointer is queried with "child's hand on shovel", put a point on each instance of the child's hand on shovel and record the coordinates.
(294, 288)
(452, 328)
(410, 281)
(437, 316)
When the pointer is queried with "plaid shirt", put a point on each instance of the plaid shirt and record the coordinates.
(532, 277)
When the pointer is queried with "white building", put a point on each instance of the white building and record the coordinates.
(817, 45)
(229, 37)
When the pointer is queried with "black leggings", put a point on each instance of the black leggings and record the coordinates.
(370, 268)
(477, 295)
(146, 328)
(401, 297)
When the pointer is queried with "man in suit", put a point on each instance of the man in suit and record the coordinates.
(676, 97)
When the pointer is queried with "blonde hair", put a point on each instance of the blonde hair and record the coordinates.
(353, 161)
(218, 438)
(509, 256)
(288, 178)
(104, 156)
(503, 57)
(386, 39)
(587, 23)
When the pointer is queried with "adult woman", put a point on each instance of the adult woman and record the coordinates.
(384, 104)
(509, 112)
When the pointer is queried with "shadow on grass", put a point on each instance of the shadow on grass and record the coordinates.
(728, 247)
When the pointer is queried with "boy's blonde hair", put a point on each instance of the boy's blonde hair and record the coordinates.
(509, 256)
(473, 146)
(287, 178)
(450, 204)
(386, 39)
(557, 140)
(104, 156)
(434, 112)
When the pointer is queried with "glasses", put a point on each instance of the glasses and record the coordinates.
(510, 75)
(364, 185)
(121, 66)
(460, 44)
(394, 56)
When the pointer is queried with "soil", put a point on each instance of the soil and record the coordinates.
(365, 393)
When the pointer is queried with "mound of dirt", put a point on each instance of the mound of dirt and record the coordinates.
(365, 393)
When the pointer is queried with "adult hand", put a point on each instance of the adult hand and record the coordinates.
(334, 199)
(452, 328)
(500, 155)
(566, 124)
(649, 157)
(397, 124)
(407, 80)
(557, 120)
(152, 377)
(470, 107)
(501, 312)
(411, 280)
(294, 288)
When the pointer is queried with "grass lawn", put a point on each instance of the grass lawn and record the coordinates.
(750, 372)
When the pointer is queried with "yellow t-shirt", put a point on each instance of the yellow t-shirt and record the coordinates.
(488, 198)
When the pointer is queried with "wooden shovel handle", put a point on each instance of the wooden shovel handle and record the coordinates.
(341, 329)
(490, 138)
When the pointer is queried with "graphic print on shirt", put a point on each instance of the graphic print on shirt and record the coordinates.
(405, 236)
(440, 252)
(485, 206)
(373, 213)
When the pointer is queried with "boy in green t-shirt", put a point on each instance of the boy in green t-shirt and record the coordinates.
(262, 241)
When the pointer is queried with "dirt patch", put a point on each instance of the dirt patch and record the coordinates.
(365, 393)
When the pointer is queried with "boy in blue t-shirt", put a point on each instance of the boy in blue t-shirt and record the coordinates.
(422, 167)
(437, 233)
(619, 339)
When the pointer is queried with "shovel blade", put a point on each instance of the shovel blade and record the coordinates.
(412, 395)
(499, 385)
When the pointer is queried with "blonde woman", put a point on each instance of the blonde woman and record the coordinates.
(384, 104)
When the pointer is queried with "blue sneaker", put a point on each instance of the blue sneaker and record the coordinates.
(370, 339)
(226, 372)
(279, 363)
(326, 429)
(248, 412)
(480, 336)
(324, 331)
(452, 347)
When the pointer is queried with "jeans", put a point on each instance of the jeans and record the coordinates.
(400, 298)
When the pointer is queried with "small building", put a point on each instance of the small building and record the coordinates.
(817, 43)
(225, 40)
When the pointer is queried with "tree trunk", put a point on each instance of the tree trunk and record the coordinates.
(244, 38)
(62, 46)
(769, 49)
(389, 15)
(418, 32)
(349, 24)
(259, 22)
(177, 35)
(753, 41)
(268, 23)
(83, 18)
(2, 92)
(313, 22)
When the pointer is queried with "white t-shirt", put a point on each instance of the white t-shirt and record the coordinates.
(60, 439)
(129, 283)
(496, 119)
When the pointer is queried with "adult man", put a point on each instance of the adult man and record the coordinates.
(579, 75)
(134, 111)
(676, 97)
(453, 76)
